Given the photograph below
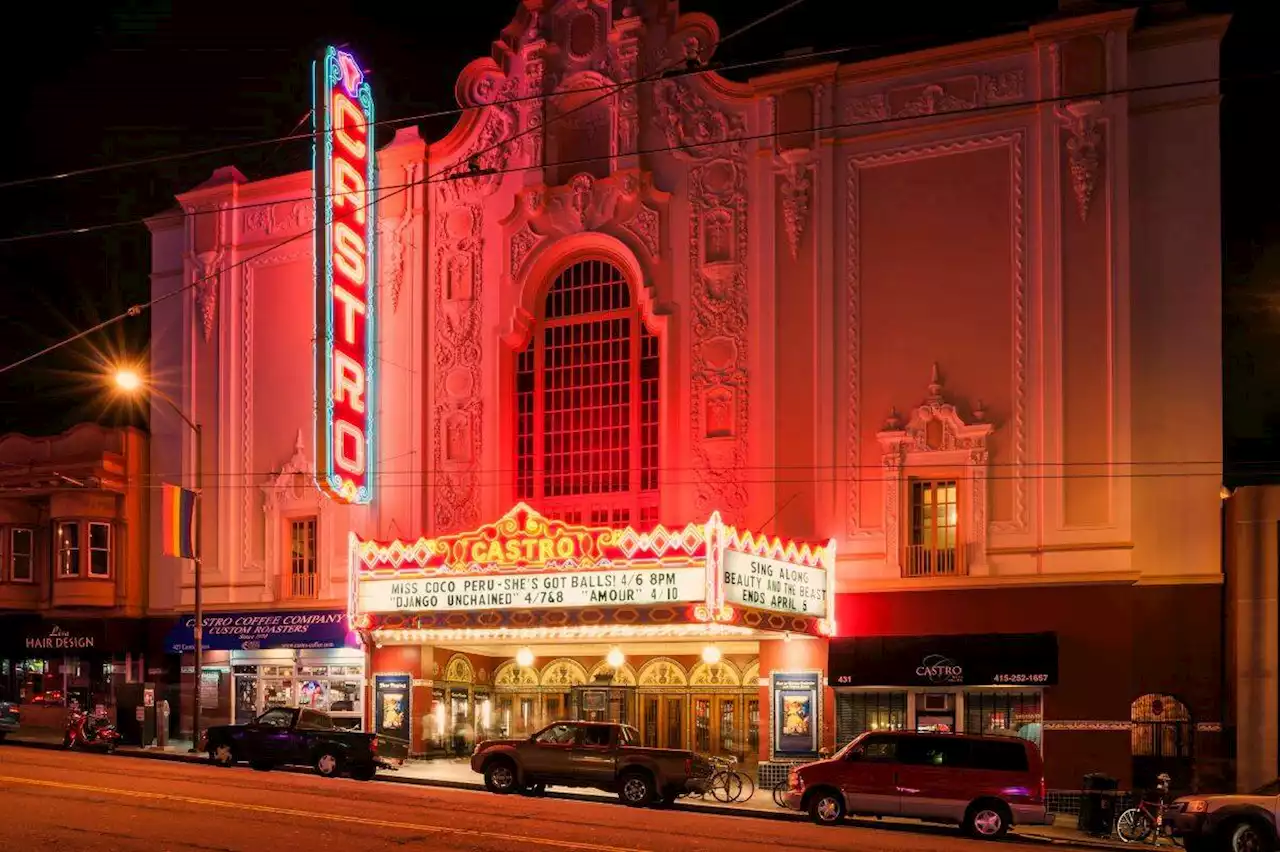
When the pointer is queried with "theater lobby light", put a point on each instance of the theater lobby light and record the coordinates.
(616, 658)
(524, 658)
(711, 655)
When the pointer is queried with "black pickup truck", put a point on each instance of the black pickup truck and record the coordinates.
(283, 736)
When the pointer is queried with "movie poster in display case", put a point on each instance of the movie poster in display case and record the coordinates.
(797, 713)
(393, 714)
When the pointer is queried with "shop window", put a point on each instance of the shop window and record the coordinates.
(68, 542)
(586, 403)
(302, 558)
(99, 550)
(22, 548)
(933, 547)
(1004, 714)
(859, 712)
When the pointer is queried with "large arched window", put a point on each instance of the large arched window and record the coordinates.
(587, 403)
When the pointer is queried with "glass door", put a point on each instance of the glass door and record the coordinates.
(662, 721)
(717, 725)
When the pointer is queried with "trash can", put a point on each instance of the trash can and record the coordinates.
(1097, 804)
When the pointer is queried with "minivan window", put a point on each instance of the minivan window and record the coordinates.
(934, 751)
(1008, 756)
(878, 749)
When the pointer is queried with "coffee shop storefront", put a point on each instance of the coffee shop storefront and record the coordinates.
(253, 661)
(705, 637)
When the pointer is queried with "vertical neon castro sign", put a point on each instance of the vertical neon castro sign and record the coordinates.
(345, 171)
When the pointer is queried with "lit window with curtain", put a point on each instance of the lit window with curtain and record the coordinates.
(302, 558)
(586, 403)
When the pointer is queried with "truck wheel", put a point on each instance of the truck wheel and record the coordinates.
(328, 765)
(221, 755)
(636, 789)
(500, 776)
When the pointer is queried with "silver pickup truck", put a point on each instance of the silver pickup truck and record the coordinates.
(1237, 822)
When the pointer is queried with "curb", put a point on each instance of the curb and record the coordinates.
(392, 778)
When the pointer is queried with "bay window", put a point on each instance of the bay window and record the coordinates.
(68, 546)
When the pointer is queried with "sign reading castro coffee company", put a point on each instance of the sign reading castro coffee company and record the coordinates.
(634, 587)
(769, 584)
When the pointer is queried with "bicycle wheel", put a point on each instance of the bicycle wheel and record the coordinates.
(729, 787)
(1133, 826)
(748, 787)
(780, 790)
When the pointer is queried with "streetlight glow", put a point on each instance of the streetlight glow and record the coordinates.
(127, 379)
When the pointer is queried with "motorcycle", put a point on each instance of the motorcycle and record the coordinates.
(85, 730)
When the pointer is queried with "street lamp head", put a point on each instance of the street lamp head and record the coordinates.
(127, 379)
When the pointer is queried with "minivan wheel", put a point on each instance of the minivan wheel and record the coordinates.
(827, 807)
(987, 820)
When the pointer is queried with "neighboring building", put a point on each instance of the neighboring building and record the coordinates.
(950, 316)
(75, 572)
(1252, 523)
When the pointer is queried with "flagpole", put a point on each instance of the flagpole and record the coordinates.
(198, 630)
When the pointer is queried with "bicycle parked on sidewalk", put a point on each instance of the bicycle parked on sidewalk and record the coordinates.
(729, 784)
(1149, 818)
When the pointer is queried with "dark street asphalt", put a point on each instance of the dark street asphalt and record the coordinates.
(52, 800)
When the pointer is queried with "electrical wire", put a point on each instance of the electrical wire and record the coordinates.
(1004, 106)
(445, 173)
(294, 136)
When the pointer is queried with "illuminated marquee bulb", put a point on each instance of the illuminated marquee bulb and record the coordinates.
(711, 655)
(524, 658)
(616, 658)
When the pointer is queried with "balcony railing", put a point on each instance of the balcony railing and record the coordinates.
(924, 561)
(302, 584)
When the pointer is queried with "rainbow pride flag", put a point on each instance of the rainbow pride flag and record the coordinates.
(180, 531)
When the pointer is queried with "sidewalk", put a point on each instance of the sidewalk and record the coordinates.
(457, 774)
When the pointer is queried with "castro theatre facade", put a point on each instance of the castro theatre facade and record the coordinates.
(703, 637)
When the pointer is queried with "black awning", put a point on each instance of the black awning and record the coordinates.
(989, 659)
(23, 635)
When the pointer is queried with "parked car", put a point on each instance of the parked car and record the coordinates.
(1241, 822)
(10, 716)
(983, 784)
(290, 736)
(602, 756)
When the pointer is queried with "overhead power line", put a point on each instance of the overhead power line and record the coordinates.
(457, 170)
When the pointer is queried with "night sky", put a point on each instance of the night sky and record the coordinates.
(125, 81)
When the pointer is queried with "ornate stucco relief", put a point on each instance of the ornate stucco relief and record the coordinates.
(1084, 150)
(853, 283)
(457, 437)
(707, 138)
(936, 97)
(935, 434)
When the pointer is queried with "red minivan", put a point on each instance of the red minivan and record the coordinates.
(983, 784)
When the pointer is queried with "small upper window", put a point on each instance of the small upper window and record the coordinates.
(68, 549)
(22, 547)
(99, 550)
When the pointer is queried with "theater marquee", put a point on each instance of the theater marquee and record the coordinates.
(527, 571)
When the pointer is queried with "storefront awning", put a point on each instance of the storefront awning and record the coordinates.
(989, 659)
(253, 631)
(34, 636)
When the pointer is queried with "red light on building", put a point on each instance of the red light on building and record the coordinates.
(346, 276)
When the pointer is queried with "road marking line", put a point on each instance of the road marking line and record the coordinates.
(352, 820)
